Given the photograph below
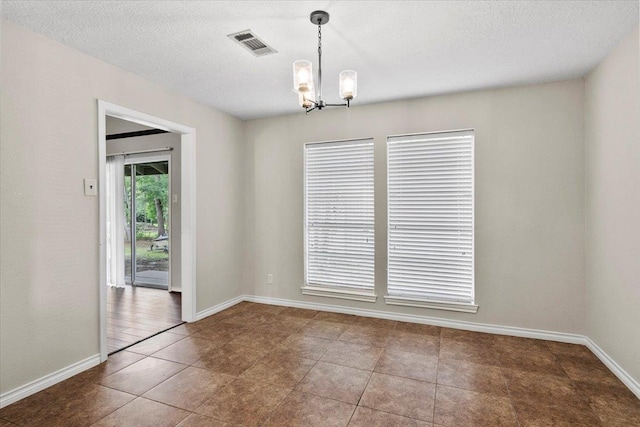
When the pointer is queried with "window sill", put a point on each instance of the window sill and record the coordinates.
(339, 293)
(422, 303)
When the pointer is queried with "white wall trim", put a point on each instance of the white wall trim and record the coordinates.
(188, 207)
(455, 324)
(222, 306)
(622, 375)
(366, 296)
(436, 305)
(188, 224)
(40, 384)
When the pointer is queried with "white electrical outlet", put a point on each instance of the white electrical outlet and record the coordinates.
(269, 279)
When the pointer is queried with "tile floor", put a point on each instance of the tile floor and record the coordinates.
(261, 365)
(135, 313)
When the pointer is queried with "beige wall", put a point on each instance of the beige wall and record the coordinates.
(49, 245)
(613, 205)
(529, 209)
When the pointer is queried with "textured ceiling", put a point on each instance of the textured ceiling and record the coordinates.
(400, 49)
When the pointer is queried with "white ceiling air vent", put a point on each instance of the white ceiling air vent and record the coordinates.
(252, 43)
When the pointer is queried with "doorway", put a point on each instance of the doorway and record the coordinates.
(140, 222)
(186, 202)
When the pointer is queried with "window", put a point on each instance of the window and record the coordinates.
(339, 259)
(430, 221)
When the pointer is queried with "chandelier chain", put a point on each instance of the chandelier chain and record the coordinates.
(319, 92)
(319, 40)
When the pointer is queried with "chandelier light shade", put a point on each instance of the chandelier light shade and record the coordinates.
(348, 84)
(302, 76)
(303, 84)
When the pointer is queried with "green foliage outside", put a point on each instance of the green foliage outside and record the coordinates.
(143, 234)
(144, 252)
(149, 189)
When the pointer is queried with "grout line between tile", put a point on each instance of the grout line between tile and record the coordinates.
(355, 408)
(435, 392)
(121, 406)
(506, 385)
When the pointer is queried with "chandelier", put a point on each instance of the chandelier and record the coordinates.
(308, 97)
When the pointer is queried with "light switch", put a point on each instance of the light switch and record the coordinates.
(174, 198)
(90, 187)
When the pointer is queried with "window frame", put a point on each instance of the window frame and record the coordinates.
(415, 301)
(337, 291)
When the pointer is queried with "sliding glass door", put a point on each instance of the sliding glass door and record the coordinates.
(147, 221)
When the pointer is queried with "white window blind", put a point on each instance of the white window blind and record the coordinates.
(430, 217)
(339, 215)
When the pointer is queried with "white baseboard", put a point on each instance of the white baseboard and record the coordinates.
(217, 308)
(454, 324)
(627, 379)
(71, 370)
(622, 375)
(47, 381)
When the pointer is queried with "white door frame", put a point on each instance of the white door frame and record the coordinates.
(187, 206)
